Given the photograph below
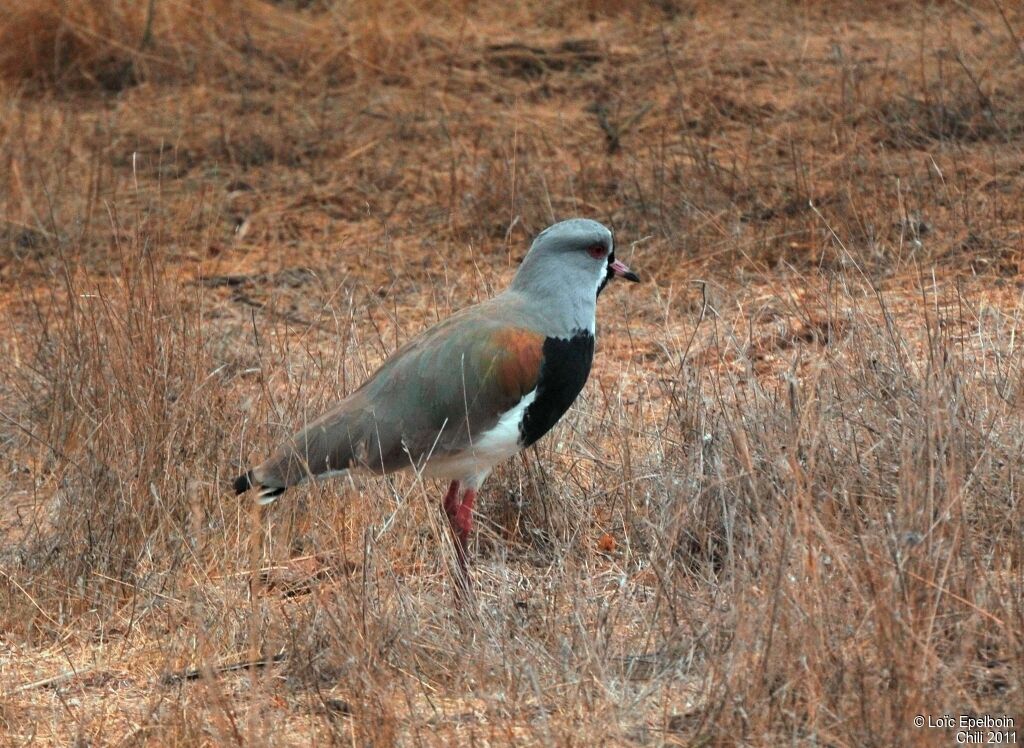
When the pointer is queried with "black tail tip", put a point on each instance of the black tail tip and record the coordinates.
(244, 482)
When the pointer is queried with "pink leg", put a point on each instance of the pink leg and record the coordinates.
(451, 499)
(464, 517)
(460, 519)
(452, 507)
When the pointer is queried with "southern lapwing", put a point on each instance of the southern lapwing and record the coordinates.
(471, 391)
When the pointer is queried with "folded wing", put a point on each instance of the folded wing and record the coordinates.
(431, 399)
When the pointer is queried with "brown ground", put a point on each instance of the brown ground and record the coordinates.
(786, 509)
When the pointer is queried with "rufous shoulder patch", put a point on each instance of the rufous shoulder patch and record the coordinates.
(520, 359)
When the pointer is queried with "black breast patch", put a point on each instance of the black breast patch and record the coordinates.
(564, 367)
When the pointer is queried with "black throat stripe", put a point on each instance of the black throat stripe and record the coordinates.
(564, 368)
(609, 273)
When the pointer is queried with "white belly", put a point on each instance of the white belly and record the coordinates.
(489, 448)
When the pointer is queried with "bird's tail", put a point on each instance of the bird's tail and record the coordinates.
(325, 448)
(266, 494)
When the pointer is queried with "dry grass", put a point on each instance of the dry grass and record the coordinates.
(786, 509)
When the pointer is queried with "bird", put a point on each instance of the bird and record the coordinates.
(471, 391)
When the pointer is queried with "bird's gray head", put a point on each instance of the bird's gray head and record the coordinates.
(567, 266)
(578, 254)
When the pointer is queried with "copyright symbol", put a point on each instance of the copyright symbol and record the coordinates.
(919, 721)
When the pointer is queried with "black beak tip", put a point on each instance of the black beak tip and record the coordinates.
(631, 276)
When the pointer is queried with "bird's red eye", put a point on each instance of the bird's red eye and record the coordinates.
(597, 251)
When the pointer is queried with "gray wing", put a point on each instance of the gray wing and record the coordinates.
(430, 398)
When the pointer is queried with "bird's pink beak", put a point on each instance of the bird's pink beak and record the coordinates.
(620, 270)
